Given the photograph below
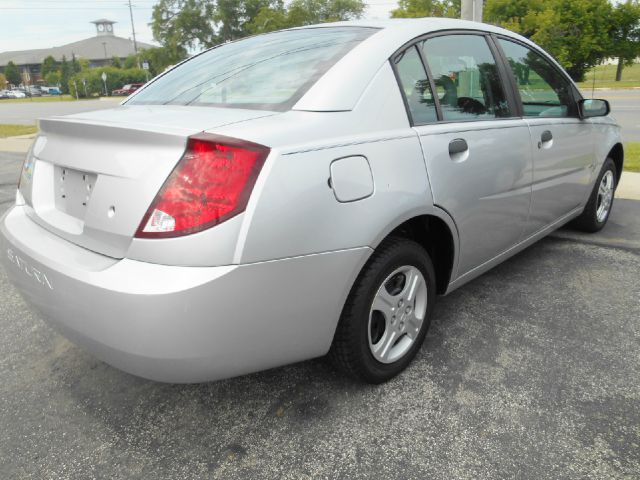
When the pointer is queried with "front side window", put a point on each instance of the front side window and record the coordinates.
(466, 76)
(268, 72)
(543, 89)
(415, 86)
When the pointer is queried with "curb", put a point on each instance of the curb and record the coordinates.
(609, 89)
(19, 144)
(629, 186)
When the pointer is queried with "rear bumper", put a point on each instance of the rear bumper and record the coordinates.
(180, 324)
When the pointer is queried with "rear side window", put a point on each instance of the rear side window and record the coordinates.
(543, 89)
(267, 72)
(466, 76)
(416, 88)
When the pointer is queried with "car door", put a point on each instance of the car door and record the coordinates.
(477, 152)
(563, 153)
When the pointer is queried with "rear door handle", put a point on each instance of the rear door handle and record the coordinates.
(459, 145)
(545, 139)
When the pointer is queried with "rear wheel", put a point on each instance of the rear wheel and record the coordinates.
(387, 314)
(596, 212)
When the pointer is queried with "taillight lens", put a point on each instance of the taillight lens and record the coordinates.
(211, 183)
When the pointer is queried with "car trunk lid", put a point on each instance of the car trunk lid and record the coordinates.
(91, 177)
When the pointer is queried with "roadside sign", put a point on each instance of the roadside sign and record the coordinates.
(104, 80)
(145, 65)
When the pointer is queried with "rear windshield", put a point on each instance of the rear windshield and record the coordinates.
(266, 72)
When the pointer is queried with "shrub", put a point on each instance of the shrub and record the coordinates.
(116, 78)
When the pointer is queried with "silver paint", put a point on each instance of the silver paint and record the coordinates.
(205, 306)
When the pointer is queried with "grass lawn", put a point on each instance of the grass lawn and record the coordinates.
(56, 98)
(606, 75)
(632, 157)
(8, 130)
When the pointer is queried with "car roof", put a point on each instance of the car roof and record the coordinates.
(332, 93)
(424, 24)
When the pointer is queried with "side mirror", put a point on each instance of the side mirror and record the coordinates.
(593, 108)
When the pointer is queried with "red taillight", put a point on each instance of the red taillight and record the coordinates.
(211, 183)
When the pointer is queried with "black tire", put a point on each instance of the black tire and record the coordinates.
(588, 219)
(350, 351)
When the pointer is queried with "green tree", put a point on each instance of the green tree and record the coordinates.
(575, 32)
(65, 74)
(184, 23)
(192, 24)
(427, 8)
(3, 81)
(233, 17)
(160, 58)
(131, 61)
(115, 62)
(304, 12)
(269, 19)
(48, 66)
(510, 14)
(75, 64)
(625, 34)
(52, 78)
(12, 74)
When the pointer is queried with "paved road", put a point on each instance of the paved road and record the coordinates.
(625, 105)
(28, 112)
(529, 372)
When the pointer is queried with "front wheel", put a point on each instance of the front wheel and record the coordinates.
(387, 314)
(598, 208)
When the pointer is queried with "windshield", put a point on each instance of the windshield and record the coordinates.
(266, 72)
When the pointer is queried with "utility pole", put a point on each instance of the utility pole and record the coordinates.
(133, 29)
(471, 10)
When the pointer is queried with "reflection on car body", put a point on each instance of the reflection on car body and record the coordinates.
(303, 192)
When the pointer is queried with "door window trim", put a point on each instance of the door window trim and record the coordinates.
(575, 93)
(394, 66)
(513, 101)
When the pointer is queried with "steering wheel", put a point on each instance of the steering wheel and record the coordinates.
(471, 105)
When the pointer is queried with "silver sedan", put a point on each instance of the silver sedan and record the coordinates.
(303, 193)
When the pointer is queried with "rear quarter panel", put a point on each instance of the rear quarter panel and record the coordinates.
(298, 214)
(293, 210)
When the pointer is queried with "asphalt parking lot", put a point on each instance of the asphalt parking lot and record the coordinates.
(530, 371)
(27, 113)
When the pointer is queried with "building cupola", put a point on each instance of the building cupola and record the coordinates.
(104, 26)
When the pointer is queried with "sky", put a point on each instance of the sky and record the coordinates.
(29, 24)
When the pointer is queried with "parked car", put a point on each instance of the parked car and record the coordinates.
(4, 94)
(17, 93)
(34, 91)
(51, 90)
(303, 192)
(127, 89)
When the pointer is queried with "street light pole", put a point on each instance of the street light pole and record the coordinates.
(133, 29)
(471, 10)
